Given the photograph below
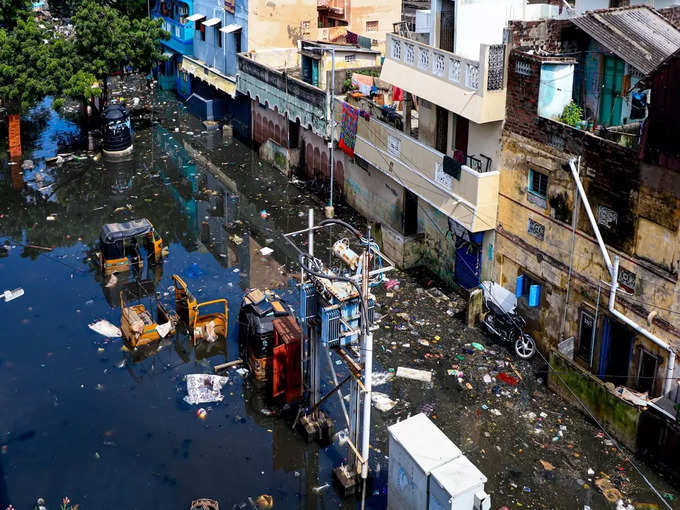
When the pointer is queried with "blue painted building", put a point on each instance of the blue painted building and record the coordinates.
(221, 32)
(175, 15)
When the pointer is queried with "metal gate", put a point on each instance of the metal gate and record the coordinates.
(468, 259)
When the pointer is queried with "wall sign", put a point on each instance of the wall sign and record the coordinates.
(607, 217)
(394, 146)
(536, 229)
(229, 6)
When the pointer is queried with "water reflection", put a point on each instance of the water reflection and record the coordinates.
(102, 409)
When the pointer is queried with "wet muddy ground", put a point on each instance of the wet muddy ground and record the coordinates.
(84, 417)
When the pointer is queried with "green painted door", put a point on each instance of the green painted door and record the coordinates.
(610, 91)
(315, 73)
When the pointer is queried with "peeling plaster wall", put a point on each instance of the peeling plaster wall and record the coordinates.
(547, 259)
(280, 23)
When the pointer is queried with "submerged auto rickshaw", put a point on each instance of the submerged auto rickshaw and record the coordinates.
(119, 246)
(201, 327)
(137, 323)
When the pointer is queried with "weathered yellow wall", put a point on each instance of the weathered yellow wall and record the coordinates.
(517, 252)
(280, 23)
(385, 12)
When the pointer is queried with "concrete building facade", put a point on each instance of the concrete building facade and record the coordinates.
(545, 240)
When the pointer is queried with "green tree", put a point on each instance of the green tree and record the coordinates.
(107, 41)
(24, 55)
(11, 11)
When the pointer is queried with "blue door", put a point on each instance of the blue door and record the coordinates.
(616, 353)
(468, 259)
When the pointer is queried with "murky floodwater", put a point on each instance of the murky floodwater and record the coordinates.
(83, 417)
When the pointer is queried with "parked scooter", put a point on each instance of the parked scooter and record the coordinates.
(502, 320)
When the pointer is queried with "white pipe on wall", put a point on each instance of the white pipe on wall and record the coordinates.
(614, 273)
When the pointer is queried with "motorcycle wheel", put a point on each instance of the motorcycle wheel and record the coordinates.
(525, 346)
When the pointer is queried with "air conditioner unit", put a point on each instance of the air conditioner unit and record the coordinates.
(423, 21)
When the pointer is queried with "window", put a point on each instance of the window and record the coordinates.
(350, 58)
(372, 26)
(538, 183)
(530, 288)
(585, 335)
(218, 36)
(647, 372)
(200, 27)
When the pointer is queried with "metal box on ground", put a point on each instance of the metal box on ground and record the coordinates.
(417, 447)
(286, 361)
(458, 485)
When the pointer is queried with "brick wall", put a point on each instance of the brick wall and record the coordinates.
(613, 170)
(672, 14)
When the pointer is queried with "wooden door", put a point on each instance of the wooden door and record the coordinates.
(446, 27)
(610, 91)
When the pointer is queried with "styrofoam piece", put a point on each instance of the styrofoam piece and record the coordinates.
(415, 374)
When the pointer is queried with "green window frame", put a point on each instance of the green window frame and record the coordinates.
(538, 183)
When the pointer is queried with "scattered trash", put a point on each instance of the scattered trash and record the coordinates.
(164, 329)
(264, 502)
(507, 379)
(380, 378)
(392, 285)
(382, 402)
(210, 335)
(412, 373)
(487, 378)
(264, 214)
(204, 388)
(51, 217)
(237, 240)
(266, 251)
(9, 295)
(321, 488)
(113, 281)
(478, 346)
(547, 465)
(104, 327)
(611, 493)
(201, 413)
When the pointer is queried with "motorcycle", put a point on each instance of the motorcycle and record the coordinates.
(502, 320)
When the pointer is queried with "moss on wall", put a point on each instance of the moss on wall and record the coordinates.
(619, 417)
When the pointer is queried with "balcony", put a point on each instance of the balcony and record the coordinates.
(334, 6)
(181, 36)
(475, 90)
(281, 91)
(471, 200)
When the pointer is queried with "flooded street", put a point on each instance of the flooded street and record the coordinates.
(86, 418)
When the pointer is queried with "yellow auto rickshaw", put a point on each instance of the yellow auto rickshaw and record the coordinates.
(119, 246)
(201, 327)
(137, 323)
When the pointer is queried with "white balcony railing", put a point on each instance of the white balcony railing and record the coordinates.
(448, 79)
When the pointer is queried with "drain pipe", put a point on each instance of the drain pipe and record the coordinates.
(613, 269)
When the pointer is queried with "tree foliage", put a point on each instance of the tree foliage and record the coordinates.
(24, 58)
(11, 11)
(107, 41)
